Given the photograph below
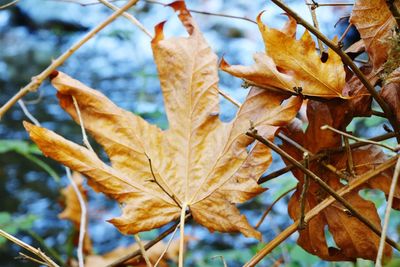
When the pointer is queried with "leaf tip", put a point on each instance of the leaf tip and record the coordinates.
(53, 74)
(178, 6)
(223, 65)
(159, 32)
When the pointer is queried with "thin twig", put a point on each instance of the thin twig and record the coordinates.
(320, 155)
(129, 17)
(26, 257)
(393, 9)
(317, 209)
(329, 4)
(166, 247)
(346, 31)
(205, 12)
(266, 212)
(387, 213)
(182, 235)
(304, 191)
(359, 139)
(84, 135)
(322, 184)
(24, 245)
(9, 4)
(378, 113)
(346, 60)
(148, 245)
(312, 7)
(37, 80)
(222, 259)
(328, 166)
(82, 224)
(350, 163)
(229, 98)
(27, 113)
(142, 249)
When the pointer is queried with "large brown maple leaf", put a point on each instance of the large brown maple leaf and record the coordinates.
(199, 162)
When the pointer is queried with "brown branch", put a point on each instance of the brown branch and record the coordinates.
(37, 80)
(148, 245)
(321, 183)
(317, 209)
(346, 60)
(316, 5)
(328, 166)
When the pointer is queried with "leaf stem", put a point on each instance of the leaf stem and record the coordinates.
(182, 237)
(142, 250)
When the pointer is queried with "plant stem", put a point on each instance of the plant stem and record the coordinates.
(322, 184)
(387, 213)
(129, 17)
(272, 205)
(346, 60)
(182, 237)
(327, 127)
(317, 209)
(148, 245)
(82, 223)
(35, 251)
(166, 247)
(37, 80)
(142, 250)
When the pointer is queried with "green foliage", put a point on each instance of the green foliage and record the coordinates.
(13, 225)
(30, 152)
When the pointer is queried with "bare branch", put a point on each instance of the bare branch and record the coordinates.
(37, 80)
(24, 245)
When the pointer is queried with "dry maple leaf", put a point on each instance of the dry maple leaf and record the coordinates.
(391, 92)
(72, 210)
(199, 162)
(353, 239)
(374, 21)
(292, 65)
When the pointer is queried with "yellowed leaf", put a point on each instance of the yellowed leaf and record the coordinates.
(292, 65)
(199, 162)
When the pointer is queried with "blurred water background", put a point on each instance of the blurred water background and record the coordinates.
(118, 62)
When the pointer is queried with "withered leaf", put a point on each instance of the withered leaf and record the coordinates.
(374, 21)
(353, 239)
(391, 92)
(199, 162)
(292, 65)
(73, 211)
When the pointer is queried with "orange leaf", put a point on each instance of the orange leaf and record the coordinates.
(199, 162)
(292, 65)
